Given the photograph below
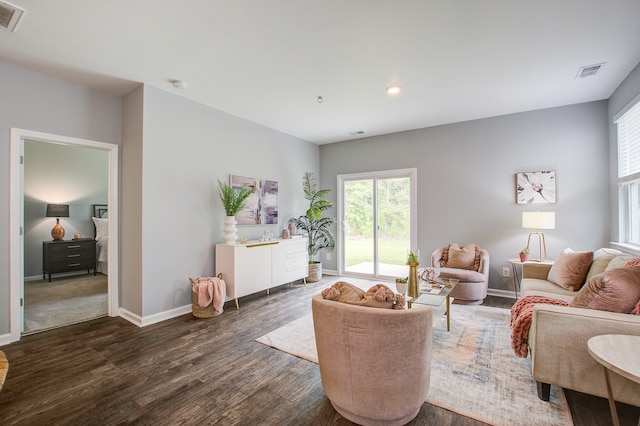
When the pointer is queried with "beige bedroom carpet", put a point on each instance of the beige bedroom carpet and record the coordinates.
(63, 301)
(474, 371)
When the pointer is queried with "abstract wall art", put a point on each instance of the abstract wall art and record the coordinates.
(262, 206)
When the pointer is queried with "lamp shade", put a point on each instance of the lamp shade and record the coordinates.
(57, 210)
(539, 220)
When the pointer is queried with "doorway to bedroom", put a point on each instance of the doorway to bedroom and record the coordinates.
(60, 180)
(58, 290)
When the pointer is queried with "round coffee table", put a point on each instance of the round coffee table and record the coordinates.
(617, 353)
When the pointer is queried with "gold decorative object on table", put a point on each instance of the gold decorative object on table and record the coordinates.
(414, 290)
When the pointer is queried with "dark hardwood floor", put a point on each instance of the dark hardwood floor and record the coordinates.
(195, 371)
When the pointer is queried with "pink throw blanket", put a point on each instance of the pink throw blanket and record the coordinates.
(210, 289)
(521, 314)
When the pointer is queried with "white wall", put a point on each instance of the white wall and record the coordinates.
(60, 174)
(466, 179)
(186, 146)
(37, 102)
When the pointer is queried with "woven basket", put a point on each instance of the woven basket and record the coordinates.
(197, 310)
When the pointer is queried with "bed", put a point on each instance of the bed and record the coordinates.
(101, 223)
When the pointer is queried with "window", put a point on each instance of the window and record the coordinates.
(628, 127)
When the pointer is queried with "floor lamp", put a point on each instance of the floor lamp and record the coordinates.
(537, 221)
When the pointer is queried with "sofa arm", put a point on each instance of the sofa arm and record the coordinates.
(558, 343)
(536, 270)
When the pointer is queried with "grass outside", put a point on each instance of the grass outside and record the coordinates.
(390, 251)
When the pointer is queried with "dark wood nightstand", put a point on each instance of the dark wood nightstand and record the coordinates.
(68, 256)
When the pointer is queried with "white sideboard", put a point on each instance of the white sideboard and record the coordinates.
(257, 266)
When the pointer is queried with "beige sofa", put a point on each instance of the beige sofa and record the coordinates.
(558, 334)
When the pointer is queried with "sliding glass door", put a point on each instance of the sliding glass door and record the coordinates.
(377, 213)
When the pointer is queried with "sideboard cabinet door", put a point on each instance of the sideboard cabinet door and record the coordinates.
(245, 270)
(290, 261)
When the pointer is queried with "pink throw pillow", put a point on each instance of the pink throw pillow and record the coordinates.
(617, 290)
(570, 269)
(463, 257)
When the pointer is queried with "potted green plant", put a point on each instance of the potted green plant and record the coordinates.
(413, 257)
(401, 285)
(524, 255)
(316, 227)
(233, 201)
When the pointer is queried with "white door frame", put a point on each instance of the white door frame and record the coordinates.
(412, 173)
(16, 221)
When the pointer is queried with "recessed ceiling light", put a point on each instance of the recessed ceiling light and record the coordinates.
(393, 90)
(178, 84)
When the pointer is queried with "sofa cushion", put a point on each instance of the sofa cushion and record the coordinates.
(619, 262)
(617, 290)
(601, 259)
(467, 257)
(570, 269)
(534, 286)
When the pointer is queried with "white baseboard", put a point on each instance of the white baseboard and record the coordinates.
(5, 339)
(509, 294)
(57, 275)
(136, 319)
(34, 278)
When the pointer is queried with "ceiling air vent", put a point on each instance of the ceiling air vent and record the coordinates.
(589, 70)
(10, 15)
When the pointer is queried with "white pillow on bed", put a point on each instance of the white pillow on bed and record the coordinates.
(102, 227)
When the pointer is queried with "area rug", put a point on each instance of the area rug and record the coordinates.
(474, 371)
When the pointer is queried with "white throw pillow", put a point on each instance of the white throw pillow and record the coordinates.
(102, 227)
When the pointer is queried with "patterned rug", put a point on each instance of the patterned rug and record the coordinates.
(474, 371)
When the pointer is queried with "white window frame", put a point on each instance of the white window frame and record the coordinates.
(624, 184)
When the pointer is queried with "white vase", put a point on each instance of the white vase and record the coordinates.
(402, 288)
(230, 230)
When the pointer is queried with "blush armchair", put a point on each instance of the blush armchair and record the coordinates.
(375, 363)
(470, 265)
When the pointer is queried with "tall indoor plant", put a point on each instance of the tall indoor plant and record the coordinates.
(233, 201)
(314, 225)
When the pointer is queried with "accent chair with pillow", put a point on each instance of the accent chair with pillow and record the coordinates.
(375, 363)
(470, 265)
(603, 294)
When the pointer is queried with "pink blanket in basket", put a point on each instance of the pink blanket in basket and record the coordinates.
(210, 289)
(521, 314)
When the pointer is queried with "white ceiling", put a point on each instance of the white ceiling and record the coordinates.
(268, 60)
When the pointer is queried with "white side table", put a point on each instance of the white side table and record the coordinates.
(515, 262)
(617, 353)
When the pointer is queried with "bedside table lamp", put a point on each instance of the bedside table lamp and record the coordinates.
(57, 211)
(537, 221)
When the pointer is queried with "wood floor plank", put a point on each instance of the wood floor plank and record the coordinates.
(195, 371)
